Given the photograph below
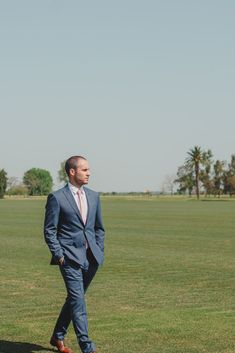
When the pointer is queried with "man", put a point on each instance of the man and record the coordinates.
(74, 233)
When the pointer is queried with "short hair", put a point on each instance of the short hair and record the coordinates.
(72, 163)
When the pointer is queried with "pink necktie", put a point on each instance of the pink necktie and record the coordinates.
(81, 206)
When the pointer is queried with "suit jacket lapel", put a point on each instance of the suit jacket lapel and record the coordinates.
(70, 198)
(90, 202)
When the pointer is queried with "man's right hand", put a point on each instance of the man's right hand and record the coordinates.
(61, 261)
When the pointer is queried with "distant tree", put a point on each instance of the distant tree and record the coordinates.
(208, 183)
(16, 187)
(229, 177)
(3, 182)
(218, 176)
(205, 174)
(195, 171)
(185, 180)
(194, 161)
(231, 165)
(12, 181)
(38, 181)
(168, 184)
(230, 185)
(62, 175)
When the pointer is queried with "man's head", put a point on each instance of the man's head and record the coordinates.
(78, 171)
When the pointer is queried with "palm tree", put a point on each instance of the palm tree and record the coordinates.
(194, 160)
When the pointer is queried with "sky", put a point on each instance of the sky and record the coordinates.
(131, 85)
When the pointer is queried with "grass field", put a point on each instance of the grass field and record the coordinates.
(167, 285)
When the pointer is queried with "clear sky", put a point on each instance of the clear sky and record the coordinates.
(132, 85)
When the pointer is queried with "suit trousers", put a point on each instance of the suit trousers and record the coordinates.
(76, 281)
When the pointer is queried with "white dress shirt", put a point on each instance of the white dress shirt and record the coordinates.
(74, 191)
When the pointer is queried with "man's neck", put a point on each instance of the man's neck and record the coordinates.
(75, 185)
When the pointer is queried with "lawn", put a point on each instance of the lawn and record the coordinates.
(167, 285)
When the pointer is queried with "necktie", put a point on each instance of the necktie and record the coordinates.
(82, 206)
(82, 209)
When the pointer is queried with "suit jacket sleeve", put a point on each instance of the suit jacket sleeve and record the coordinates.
(50, 227)
(99, 228)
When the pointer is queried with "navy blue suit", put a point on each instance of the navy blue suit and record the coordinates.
(67, 236)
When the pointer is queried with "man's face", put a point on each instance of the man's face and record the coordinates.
(80, 175)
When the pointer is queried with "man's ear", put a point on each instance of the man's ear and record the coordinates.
(72, 172)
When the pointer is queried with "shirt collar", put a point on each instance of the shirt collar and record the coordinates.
(74, 189)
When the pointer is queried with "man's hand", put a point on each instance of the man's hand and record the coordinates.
(61, 261)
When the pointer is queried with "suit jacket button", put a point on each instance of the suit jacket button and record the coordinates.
(84, 243)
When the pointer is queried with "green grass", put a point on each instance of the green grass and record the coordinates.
(167, 285)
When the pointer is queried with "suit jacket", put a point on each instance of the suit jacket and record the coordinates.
(66, 234)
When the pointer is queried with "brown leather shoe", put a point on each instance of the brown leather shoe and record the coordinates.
(60, 345)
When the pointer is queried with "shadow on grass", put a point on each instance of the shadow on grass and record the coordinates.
(216, 200)
(210, 200)
(21, 347)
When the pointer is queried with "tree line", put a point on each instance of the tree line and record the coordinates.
(200, 173)
(36, 182)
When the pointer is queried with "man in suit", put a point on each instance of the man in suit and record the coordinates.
(74, 233)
